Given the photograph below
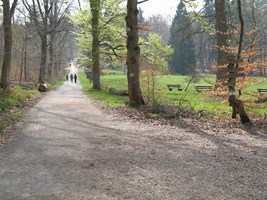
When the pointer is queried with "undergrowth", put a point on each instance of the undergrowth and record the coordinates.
(14, 96)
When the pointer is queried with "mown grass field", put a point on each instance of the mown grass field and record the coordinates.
(191, 99)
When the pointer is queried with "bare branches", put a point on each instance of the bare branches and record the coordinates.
(12, 10)
(45, 16)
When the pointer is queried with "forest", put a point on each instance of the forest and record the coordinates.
(224, 40)
(99, 100)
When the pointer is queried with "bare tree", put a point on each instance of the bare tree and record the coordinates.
(7, 15)
(38, 14)
(159, 25)
(58, 24)
(46, 18)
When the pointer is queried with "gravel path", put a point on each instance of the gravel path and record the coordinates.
(66, 148)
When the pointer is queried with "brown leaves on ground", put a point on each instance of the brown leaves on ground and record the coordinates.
(9, 118)
(194, 121)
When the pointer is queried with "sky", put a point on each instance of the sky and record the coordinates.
(166, 8)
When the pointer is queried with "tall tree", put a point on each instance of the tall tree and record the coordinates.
(95, 10)
(133, 55)
(42, 15)
(58, 24)
(206, 40)
(38, 14)
(103, 43)
(183, 59)
(222, 37)
(7, 15)
(53, 18)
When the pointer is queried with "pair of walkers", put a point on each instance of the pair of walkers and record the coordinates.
(72, 77)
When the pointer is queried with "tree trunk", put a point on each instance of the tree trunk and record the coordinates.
(221, 31)
(25, 58)
(240, 105)
(51, 57)
(22, 61)
(7, 46)
(56, 65)
(95, 9)
(43, 59)
(133, 55)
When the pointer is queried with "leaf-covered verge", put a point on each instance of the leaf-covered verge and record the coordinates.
(14, 102)
(190, 120)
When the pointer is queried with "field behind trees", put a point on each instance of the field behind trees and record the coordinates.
(205, 101)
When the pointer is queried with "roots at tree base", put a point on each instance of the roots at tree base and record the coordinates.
(238, 108)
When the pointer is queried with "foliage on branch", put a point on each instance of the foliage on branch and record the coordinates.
(111, 28)
(154, 60)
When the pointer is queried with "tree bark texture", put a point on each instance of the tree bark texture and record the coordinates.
(238, 108)
(51, 56)
(95, 9)
(133, 55)
(43, 59)
(25, 58)
(8, 44)
(23, 71)
(240, 105)
(221, 32)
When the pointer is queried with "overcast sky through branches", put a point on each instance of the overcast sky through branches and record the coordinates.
(167, 8)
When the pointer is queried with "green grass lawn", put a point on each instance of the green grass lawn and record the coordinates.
(191, 99)
(103, 97)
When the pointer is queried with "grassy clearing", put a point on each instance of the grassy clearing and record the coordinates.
(103, 97)
(190, 99)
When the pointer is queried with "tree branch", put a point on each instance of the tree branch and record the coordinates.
(12, 10)
(139, 2)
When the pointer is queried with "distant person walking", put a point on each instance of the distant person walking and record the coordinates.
(67, 77)
(71, 77)
(75, 78)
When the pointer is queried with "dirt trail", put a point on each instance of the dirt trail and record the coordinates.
(66, 148)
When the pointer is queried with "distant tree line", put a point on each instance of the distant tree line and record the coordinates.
(38, 40)
(192, 35)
